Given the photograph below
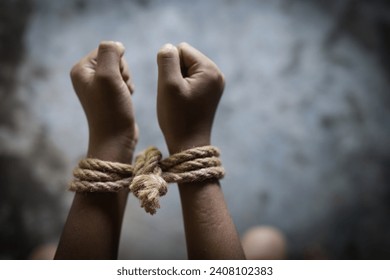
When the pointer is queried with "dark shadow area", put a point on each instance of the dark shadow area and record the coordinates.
(30, 215)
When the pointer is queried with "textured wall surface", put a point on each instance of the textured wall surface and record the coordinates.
(303, 124)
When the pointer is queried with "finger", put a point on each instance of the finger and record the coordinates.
(89, 61)
(168, 61)
(124, 68)
(126, 75)
(85, 68)
(109, 59)
(193, 61)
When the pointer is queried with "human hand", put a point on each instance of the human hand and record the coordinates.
(190, 86)
(103, 85)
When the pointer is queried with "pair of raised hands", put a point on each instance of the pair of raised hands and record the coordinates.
(189, 88)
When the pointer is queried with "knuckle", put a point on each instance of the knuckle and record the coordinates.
(165, 53)
(216, 77)
(75, 72)
(183, 45)
(222, 80)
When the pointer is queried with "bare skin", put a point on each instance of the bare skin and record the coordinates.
(103, 85)
(189, 89)
(190, 86)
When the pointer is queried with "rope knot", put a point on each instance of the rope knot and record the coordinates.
(148, 184)
(149, 177)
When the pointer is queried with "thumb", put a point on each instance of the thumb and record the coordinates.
(109, 59)
(168, 61)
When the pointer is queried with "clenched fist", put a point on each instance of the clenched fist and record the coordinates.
(103, 84)
(190, 86)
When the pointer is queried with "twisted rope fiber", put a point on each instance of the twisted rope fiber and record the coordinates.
(148, 178)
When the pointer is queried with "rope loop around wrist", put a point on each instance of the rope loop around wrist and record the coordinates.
(148, 178)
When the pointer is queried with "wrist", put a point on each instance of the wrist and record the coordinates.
(179, 146)
(111, 150)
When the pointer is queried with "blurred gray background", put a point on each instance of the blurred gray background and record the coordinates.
(303, 124)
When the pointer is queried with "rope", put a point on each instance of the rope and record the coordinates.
(149, 177)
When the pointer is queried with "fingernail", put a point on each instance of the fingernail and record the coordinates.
(169, 46)
(119, 44)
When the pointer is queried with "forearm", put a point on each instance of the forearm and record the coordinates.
(190, 86)
(210, 231)
(92, 229)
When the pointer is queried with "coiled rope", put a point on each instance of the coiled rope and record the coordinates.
(148, 178)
